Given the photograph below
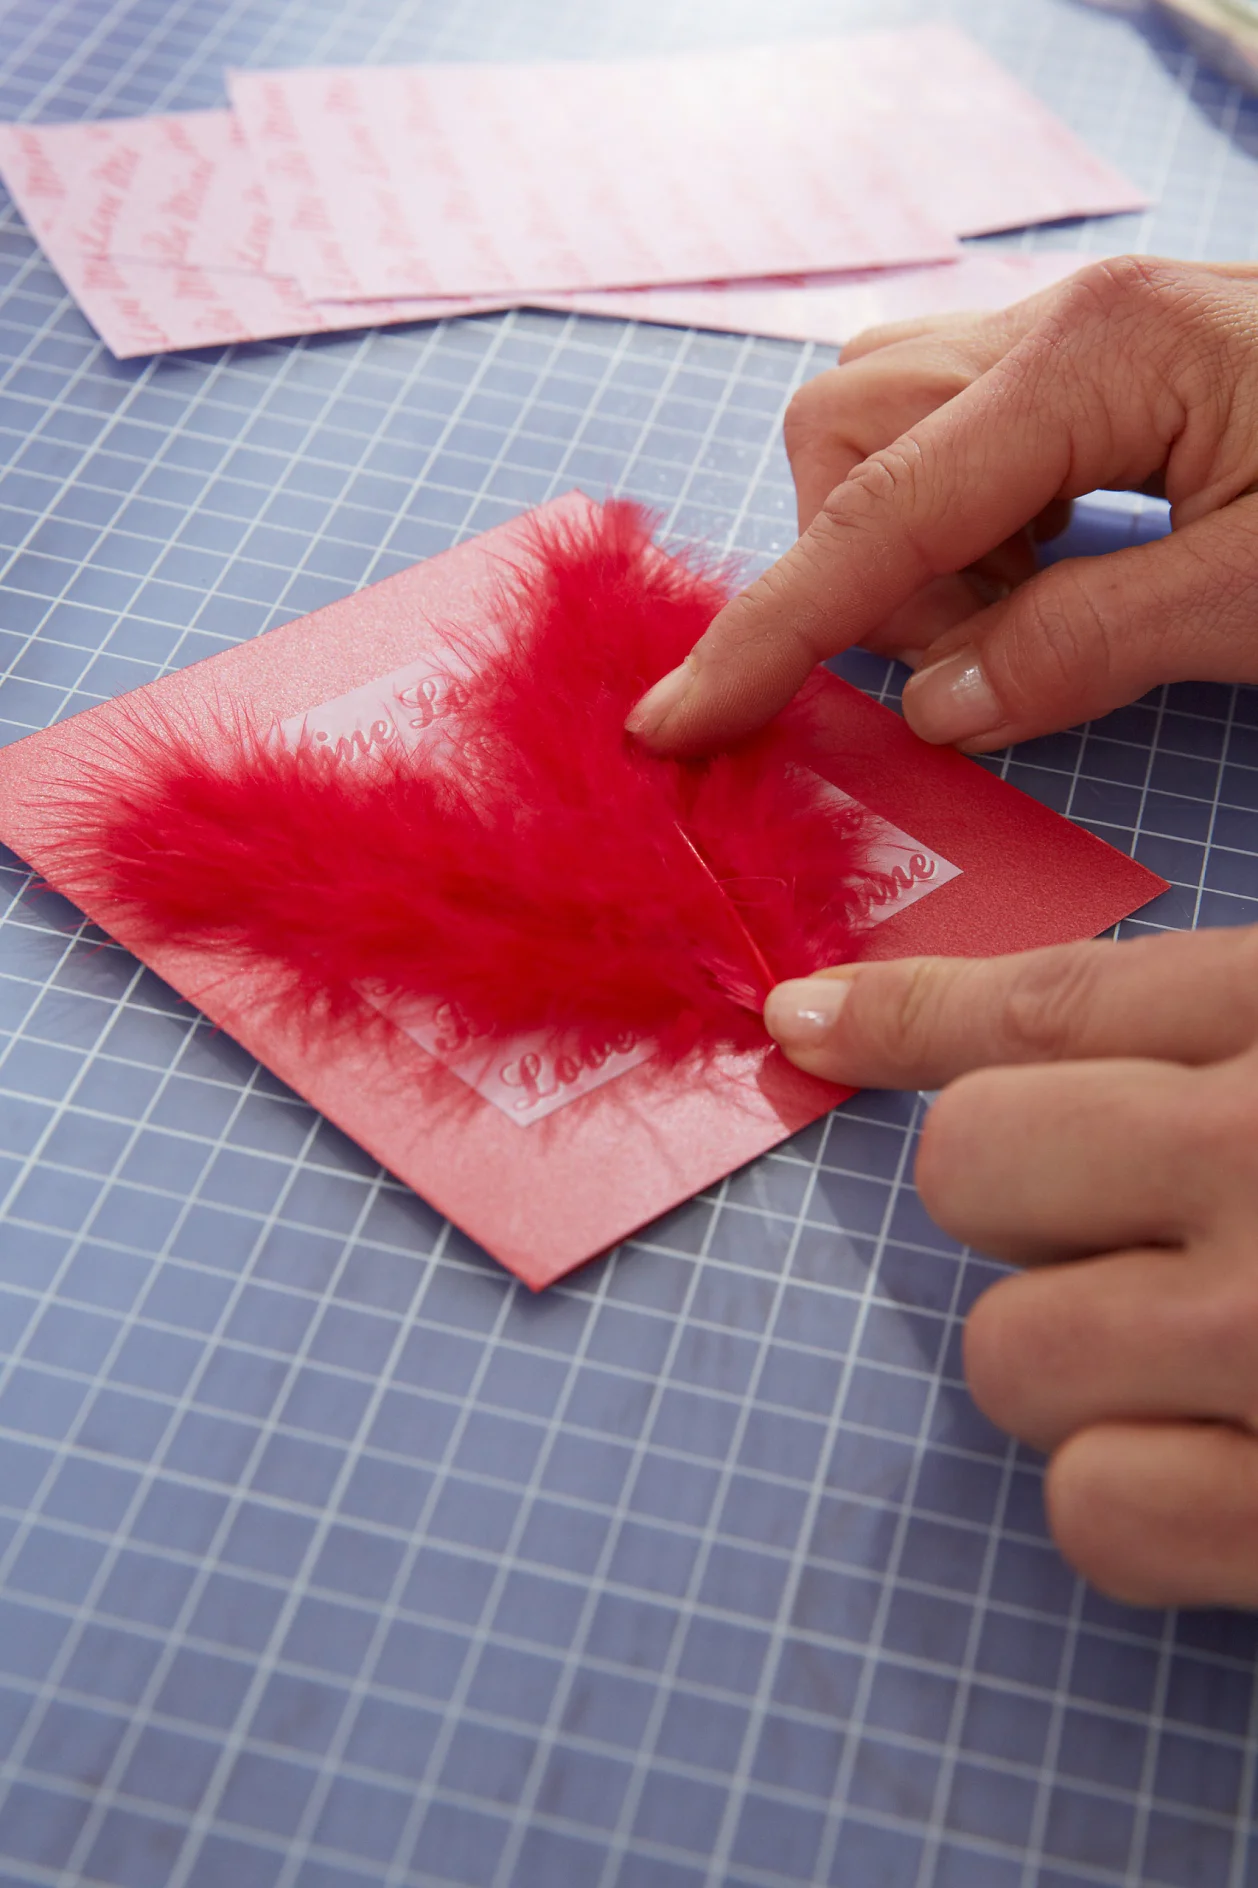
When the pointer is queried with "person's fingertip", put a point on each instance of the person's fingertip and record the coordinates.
(952, 701)
(986, 743)
(801, 1014)
(646, 719)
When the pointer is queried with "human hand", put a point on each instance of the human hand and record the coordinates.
(927, 462)
(1099, 1126)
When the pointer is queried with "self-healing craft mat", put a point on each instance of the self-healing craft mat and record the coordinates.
(483, 179)
(543, 1159)
(332, 1555)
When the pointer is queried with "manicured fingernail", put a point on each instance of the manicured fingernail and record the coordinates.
(800, 1014)
(952, 700)
(650, 714)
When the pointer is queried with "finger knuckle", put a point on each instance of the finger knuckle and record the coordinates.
(1120, 288)
(900, 1021)
(881, 497)
(1130, 330)
(1047, 1004)
(969, 351)
(1181, 324)
(1063, 633)
(865, 493)
(1219, 571)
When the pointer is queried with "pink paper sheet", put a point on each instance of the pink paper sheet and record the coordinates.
(474, 179)
(978, 149)
(159, 230)
(836, 308)
(974, 867)
(869, 151)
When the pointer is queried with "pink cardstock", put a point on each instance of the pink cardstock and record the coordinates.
(162, 234)
(157, 225)
(977, 149)
(545, 1158)
(835, 308)
(796, 158)
(480, 178)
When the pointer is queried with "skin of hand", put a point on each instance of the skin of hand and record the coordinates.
(929, 460)
(1099, 1120)
(1098, 1127)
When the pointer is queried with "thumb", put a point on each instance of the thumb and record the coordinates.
(1092, 634)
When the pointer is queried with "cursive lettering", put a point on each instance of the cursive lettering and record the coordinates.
(883, 888)
(359, 742)
(540, 1078)
(434, 696)
(42, 176)
(454, 1032)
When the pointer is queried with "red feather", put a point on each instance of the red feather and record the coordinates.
(555, 877)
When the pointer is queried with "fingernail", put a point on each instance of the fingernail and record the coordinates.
(801, 1014)
(650, 714)
(952, 700)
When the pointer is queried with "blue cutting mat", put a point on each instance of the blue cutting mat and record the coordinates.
(331, 1558)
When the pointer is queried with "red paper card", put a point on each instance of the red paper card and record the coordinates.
(543, 1162)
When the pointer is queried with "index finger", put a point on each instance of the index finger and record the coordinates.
(921, 1022)
(1053, 418)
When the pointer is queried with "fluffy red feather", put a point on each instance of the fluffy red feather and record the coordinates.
(556, 876)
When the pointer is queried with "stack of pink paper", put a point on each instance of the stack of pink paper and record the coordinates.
(803, 189)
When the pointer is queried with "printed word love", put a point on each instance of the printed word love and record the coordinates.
(543, 1077)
